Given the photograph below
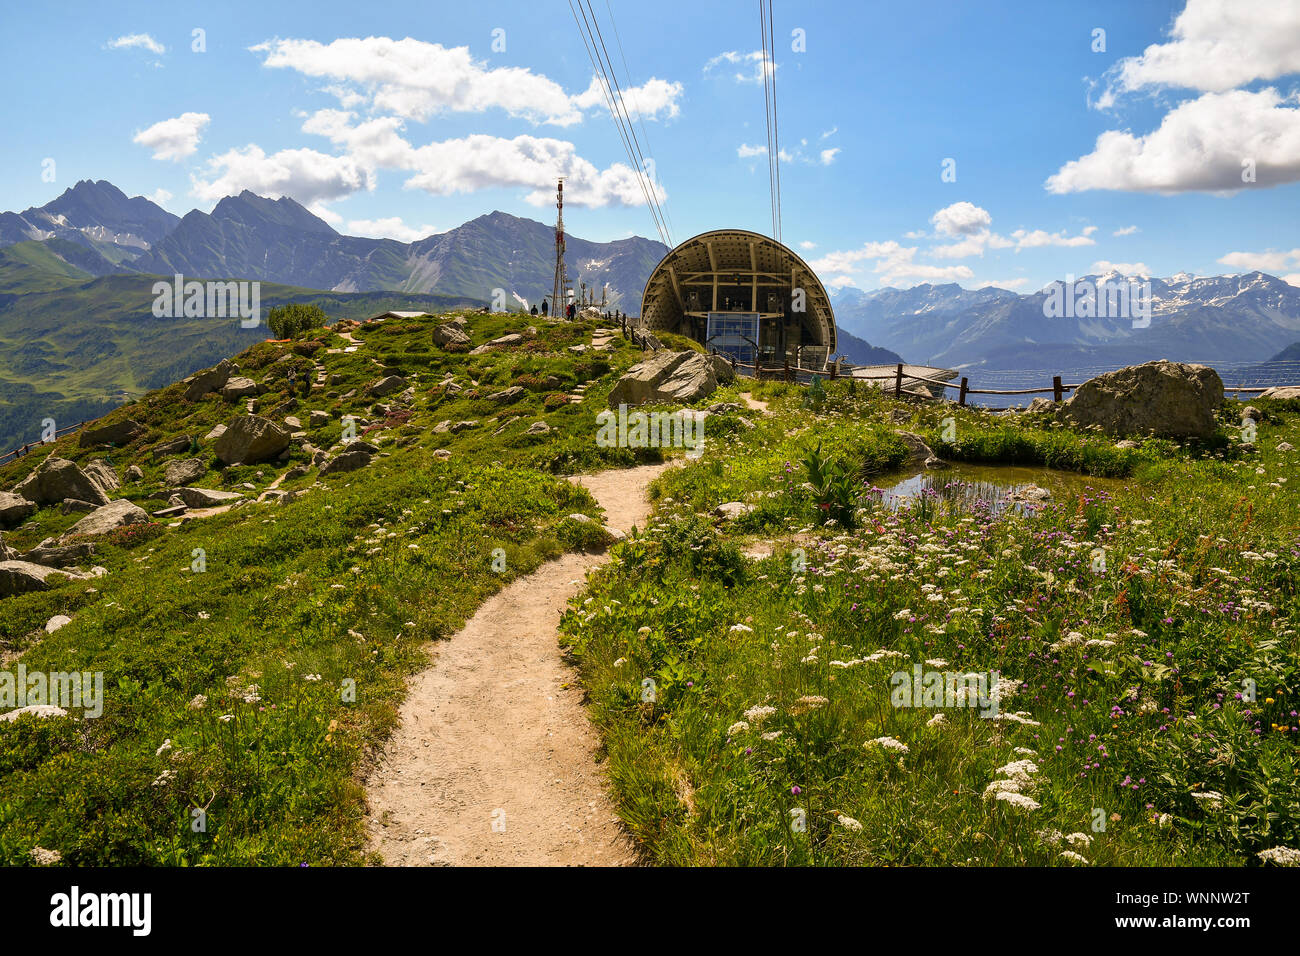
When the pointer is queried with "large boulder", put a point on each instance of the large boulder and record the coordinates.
(209, 380)
(56, 479)
(1167, 399)
(250, 439)
(238, 387)
(58, 556)
(19, 577)
(103, 474)
(173, 446)
(115, 514)
(1282, 391)
(671, 377)
(121, 432)
(14, 509)
(514, 338)
(349, 460)
(184, 471)
(387, 385)
(508, 395)
(207, 497)
(449, 334)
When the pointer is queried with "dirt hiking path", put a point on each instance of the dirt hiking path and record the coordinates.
(494, 760)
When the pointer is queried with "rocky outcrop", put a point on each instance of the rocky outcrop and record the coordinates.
(117, 433)
(56, 479)
(508, 395)
(209, 380)
(115, 514)
(250, 439)
(14, 509)
(207, 497)
(238, 387)
(103, 474)
(388, 385)
(513, 338)
(184, 472)
(1166, 399)
(20, 577)
(174, 446)
(349, 460)
(671, 377)
(445, 335)
(1282, 391)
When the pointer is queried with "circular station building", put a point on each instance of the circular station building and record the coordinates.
(744, 294)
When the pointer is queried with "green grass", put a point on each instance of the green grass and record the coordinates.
(683, 634)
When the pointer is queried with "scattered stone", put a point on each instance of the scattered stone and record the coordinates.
(1030, 493)
(184, 472)
(318, 419)
(513, 339)
(721, 408)
(449, 334)
(72, 504)
(59, 556)
(134, 473)
(1168, 399)
(34, 710)
(441, 454)
(115, 514)
(174, 511)
(684, 377)
(239, 387)
(1251, 412)
(250, 439)
(934, 463)
(56, 479)
(20, 577)
(209, 380)
(1040, 406)
(104, 475)
(171, 447)
(14, 509)
(350, 460)
(117, 433)
(538, 428)
(1285, 446)
(207, 497)
(1126, 443)
(56, 622)
(293, 422)
(916, 446)
(1282, 391)
(508, 395)
(387, 385)
(217, 432)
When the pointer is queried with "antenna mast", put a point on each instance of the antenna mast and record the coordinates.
(559, 298)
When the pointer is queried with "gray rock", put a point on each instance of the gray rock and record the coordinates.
(239, 387)
(538, 428)
(56, 479)
(20, 577)
(1167, 399)
(1040, 405)
(1030, 493)
(103, 474)
(732, 509)
(317, 419)
(207, 497)
(512, 339)
(209, 380)
(1282, 391)
(217, 432)
(134, 473)
(117, 433)
(56, 622)
(184, 472)
(350, 460)
(173, 446)
(59, 556)
(14, 509)
(916, 446)
(508, 395)
(250, 439)
(387, 385)
(684, 377)
(115, 514)
(72, 504)
(449, 334)
(1251, 412)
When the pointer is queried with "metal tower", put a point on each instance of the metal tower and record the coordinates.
(559, 298)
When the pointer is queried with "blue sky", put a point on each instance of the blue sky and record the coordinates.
(402, 119)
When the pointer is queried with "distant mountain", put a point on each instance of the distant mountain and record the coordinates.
(96, 215)
(248, 236)
(1289, 354)
(1236, 318)
(860, 352)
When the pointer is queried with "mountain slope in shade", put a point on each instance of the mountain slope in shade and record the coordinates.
(96, 215)
(1235, 318)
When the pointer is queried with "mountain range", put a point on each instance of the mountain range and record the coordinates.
(1225, 319)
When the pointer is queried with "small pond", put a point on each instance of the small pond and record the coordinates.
(992, 488)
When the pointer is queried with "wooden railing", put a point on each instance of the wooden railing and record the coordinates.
(19, 452)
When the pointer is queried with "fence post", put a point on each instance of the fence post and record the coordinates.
(962, 398)
(834, 366)
(1056, 388)
(898, 381)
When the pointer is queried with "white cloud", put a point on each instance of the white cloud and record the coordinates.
(828, 155)
(961, 219)
(1270, 261)
(892, 262)
(1215, 46)
(141, 41)
(830, 132)
(1009, 284)
(1123, 268)
(753, 65)
(1292, 279)
(1037, 238)
(1200, 145)
(159, 196)
(414, 79)
(806, 245)
(390, 228)
(174, 138)
(305, 175)
(1125, 231)
(745, 151)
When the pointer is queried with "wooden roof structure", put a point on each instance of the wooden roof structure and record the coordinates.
(688, 280)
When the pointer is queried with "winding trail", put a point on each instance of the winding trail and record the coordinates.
(494, 760)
